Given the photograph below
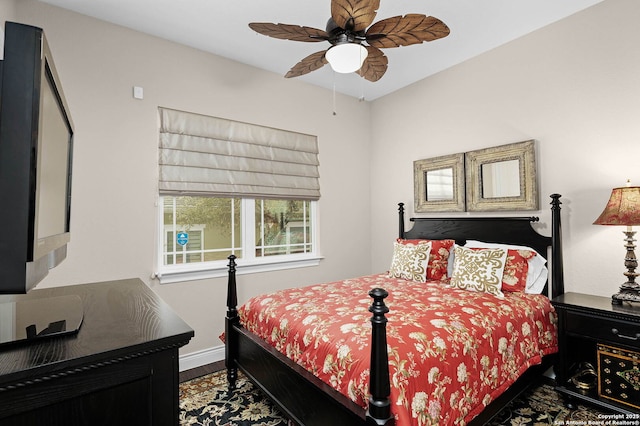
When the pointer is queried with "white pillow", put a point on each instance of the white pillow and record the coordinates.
(410, 261)
(537, 273)
(479, 270)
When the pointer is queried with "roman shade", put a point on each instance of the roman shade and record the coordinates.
(210, 156)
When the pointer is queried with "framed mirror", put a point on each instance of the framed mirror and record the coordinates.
(439, 184)
(502, 178)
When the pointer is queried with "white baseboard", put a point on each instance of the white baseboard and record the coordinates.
(200, 358)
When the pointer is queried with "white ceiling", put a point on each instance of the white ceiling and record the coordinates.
(221, 28)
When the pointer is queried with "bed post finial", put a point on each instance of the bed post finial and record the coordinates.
(232, 293)
(379, 410)
(401, 220)
(231, 344)
(557, 272)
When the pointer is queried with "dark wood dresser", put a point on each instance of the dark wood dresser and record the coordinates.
(121, 368)
(592, 330)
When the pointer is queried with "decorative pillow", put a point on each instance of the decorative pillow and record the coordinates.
(537, 271)
(479, 269)
(410, 261)
(515, 269)
(439, 257)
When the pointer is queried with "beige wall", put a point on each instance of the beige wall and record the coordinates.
(7, 13)
(574, 86)
(7, 10)
(115, 159)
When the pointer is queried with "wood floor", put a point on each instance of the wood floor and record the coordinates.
(201, 371)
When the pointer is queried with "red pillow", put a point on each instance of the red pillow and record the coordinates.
(438, 258)
(515, 269)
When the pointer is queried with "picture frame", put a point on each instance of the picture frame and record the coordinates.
(502, 178)
(439, 184)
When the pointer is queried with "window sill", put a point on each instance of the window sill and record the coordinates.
(248, 267)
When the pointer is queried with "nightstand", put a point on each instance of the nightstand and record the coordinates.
(589, 328)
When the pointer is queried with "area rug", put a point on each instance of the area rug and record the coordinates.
(205, 401)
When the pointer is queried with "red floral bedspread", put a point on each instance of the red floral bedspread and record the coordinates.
(451, 352)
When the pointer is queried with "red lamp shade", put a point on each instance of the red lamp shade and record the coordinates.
(623, 207)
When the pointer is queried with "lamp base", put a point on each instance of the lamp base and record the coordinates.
(629, 292)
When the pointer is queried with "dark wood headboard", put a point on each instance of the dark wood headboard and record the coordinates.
(505, 230)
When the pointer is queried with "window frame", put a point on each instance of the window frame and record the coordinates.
(248, 264)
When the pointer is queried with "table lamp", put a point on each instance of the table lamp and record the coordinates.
(623, 208)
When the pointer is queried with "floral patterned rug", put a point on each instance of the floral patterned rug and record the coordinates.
(542, 405)
(205, 401)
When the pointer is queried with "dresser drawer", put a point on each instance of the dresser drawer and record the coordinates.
(603, 329)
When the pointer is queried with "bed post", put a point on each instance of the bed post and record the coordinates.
(557, 272)
(401, 220)
(231, 342)
(379, 409)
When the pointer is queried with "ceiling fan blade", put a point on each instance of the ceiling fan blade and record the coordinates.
(375, 65)
(289, 32)
(354, 15)
(310, 63)
(406, 30)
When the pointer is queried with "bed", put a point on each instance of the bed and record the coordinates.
(309, 390)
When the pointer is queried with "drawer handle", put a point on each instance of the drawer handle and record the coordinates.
(617, 333)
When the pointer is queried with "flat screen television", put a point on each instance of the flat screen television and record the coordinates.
(36, 152)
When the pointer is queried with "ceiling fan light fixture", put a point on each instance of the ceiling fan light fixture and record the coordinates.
(346, 57)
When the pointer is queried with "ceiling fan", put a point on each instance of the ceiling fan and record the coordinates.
(354, 47)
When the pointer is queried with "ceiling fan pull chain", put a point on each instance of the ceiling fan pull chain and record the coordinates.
(334, 94)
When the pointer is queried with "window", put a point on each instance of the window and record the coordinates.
(282, 227)
(228, 187)
(199, 233)
(200, 229)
